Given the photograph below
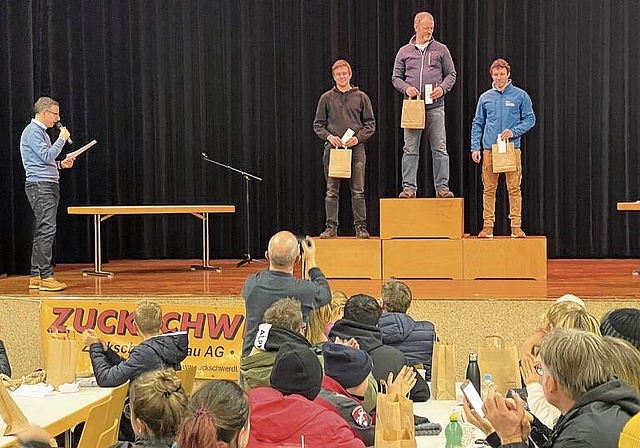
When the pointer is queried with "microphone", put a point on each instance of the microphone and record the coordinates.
(204, 155)
(60, 126)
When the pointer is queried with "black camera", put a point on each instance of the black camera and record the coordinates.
(302, 240)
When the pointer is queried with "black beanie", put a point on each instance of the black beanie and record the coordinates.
(297, 370)
(348, 366)
(622, 323)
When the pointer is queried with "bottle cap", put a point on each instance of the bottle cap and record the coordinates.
(453, 417)
(487, 376)
(473, 357)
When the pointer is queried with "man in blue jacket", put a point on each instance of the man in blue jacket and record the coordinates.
(425, 62)
(506, 111)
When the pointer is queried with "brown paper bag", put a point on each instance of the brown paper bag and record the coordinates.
(62, 358)
(413, 114)
(11, 414)
(503, 162)
(340, 163)
(443, 372)
(394, 421)
(500, 359)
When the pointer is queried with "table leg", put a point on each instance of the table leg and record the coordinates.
(97, 251)
(205, 247)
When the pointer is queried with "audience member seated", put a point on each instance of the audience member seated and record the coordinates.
(625, 361)
(578, 379)
(414, 339)
(266, 287)
(156, 351)
(282, 323)
(570, 317)
(157, 406)
(622, 323)
(361, 316)
(319, 319)
(338, 301)
(217, 416)
(5, 367)
(284, 414)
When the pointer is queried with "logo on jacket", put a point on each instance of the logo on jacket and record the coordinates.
(509, 103)
(360, 417)
(262, 336)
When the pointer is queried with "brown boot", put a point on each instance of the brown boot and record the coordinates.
(444, 193)
(51, 284)
(34, 282)
(516, 232)
(407, 193)
(486, 232)
(361, 232)
(329, 232)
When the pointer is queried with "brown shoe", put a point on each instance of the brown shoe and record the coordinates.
(34, 282)
(51, 284)
(444, 193)
(486, 232)
(516, 232)
(407, 193)
(361, 232)
(329, 232)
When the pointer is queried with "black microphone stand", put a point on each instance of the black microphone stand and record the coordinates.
(247, 177)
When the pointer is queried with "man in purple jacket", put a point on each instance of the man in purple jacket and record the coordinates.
(424, 68)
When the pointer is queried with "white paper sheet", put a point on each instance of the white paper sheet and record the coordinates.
(74, 154)
(347, 135)
(428, 90)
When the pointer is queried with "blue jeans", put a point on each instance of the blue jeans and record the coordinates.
(437, 135)
(43, 198)
(356, 183)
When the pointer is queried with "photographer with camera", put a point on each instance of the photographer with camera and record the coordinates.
(268, 286)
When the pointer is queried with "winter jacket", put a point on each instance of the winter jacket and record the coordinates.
(415, 67)
(334, 396)
(278, 419)
(385, 358)
(255, 369)
(158, 352)
(496, 111)
(414, 339)
(5, 367)
(596, 419)
(264, 288)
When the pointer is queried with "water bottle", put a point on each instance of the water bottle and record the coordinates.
(453, 432)
(487, 386)
(473, 371)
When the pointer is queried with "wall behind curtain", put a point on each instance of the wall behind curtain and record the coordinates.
(159, 82)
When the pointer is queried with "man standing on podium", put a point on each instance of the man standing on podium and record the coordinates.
(42, 188)
(342, 108)
(503, 111)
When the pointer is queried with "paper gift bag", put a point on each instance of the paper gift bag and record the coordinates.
(500, 359)
(394, 420)
(11, 414)
(62, 357)
(413, 114)
(443, 372)
(340, 163)
(503, 162)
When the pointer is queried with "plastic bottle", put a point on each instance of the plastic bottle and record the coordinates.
(487, 386)
(473, 371)
(453, 432)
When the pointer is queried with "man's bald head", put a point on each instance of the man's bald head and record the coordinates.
(283, 250)
(422, 16)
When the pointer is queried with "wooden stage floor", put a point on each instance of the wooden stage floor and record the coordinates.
(603, 279)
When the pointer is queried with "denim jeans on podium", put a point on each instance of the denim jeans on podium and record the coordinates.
(43, 198)
(356, 183)
(437, 136)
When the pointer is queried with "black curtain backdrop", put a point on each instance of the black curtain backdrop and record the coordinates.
(159, 82)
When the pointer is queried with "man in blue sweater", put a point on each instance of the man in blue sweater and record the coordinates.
(424, 69)
(506, 111)
(41, 185)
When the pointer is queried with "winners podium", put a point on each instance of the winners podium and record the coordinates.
(424, 239)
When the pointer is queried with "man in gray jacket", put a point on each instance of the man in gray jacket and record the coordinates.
(424, 69)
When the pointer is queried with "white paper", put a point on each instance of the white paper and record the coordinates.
(39, 390)
(74, 154)
(428, 89)
(502, 145)
(347, 135)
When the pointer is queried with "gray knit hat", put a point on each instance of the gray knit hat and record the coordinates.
(622, 323)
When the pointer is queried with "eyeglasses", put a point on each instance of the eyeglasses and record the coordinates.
(52, 112)
(538, 369)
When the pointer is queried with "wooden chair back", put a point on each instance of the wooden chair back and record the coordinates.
(95, 425)
(109, 437)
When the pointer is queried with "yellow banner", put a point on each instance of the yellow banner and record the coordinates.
(215, 332)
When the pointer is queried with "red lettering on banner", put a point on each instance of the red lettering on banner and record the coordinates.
(196, 325)
(125, 322)
(167, 319)
(61, 317)
(91, 320)
(102, 324)
(222, 324)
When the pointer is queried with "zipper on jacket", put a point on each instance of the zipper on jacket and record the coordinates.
(421, 70)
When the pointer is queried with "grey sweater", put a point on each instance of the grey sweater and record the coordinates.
(337, 111)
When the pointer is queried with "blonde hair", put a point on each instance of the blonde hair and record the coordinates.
(578, 319)
(338, 301)
(318, 320)
(625, 360)
(147, 316)
(556, 313)
(158, 399)
(577, 360)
